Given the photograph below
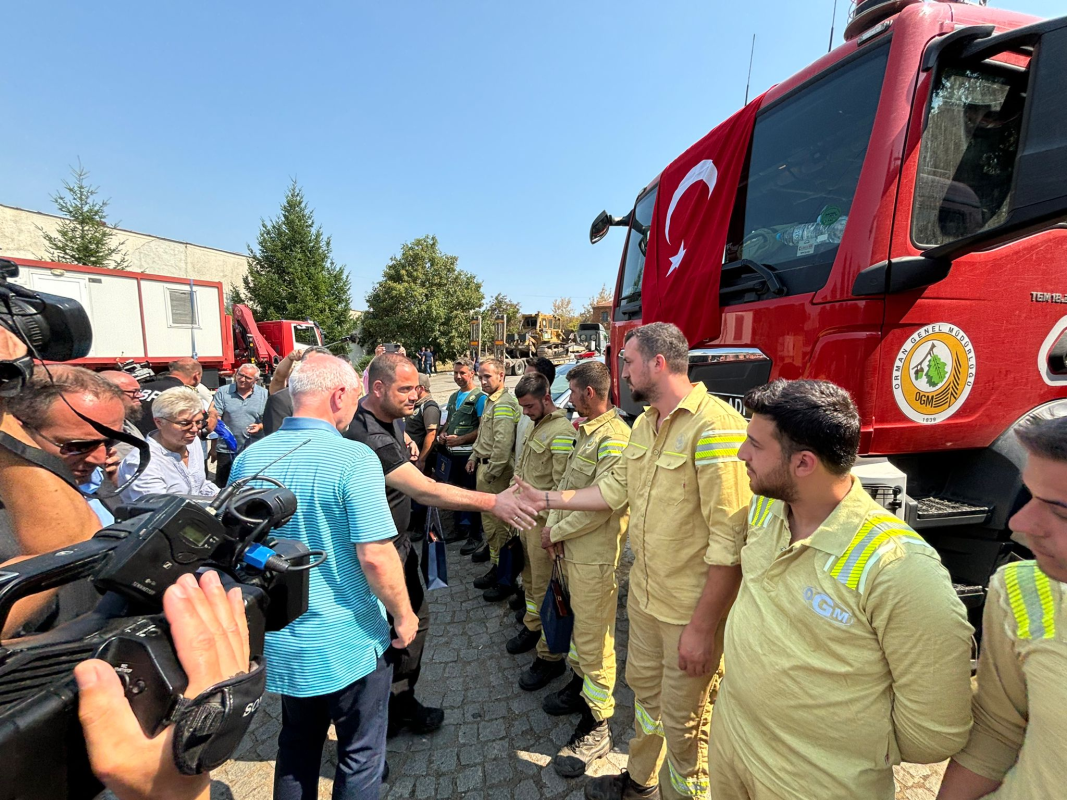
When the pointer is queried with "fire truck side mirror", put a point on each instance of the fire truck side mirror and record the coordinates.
(1039, 192)
(603, 223)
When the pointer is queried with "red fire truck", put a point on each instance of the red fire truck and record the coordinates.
(154, 319)
(899, 227)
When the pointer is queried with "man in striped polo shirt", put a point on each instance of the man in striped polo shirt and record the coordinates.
(848, 650)
(328, 664)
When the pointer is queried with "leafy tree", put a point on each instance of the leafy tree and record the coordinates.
(563, 308)
(292, 274)
(603, 296)
(422, 299)
(501, 305)
(84, 236)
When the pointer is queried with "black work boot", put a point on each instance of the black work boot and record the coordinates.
(407, 712)
(591, 740)
(487, 580)
(495, 594)
(481, 554)
(523, 641)
(619, 787)
(541, 673)
(567, 700)
(473, 543)
(518, 601)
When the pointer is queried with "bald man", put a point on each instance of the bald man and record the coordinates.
(180, 372)
(131, 401)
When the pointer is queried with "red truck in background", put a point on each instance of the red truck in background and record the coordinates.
(899, 228)
(154, 319)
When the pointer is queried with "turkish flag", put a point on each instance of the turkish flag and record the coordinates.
(690, 223)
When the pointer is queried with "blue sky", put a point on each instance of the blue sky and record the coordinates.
(501, 127)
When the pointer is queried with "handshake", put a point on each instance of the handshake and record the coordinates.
(520, 504)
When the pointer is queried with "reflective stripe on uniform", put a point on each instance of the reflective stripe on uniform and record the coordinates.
(715, 446)
(611, 447)
(652, 727)
(880, 534)
(562, 444)
(688, 787)
(598, 696)
(531, 606)
(504, 411)
(758, 510)
(1030, 596)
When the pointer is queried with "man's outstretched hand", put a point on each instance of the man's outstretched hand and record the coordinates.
(515, 508)
(210, 635)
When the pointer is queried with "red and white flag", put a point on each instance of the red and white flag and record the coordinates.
(689, 227)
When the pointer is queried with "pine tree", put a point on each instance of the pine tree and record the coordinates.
(84, 236)
(422, 299)
(292, 274)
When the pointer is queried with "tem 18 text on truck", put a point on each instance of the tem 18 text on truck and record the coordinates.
(894, 223)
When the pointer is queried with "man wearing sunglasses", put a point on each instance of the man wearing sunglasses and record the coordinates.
(45, 513)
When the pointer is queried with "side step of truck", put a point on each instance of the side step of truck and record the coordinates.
(940, 512)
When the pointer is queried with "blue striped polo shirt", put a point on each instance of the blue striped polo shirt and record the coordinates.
(340, 492)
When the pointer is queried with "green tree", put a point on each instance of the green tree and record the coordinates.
(422, 299)
(292, 274)
(501, 306)
(84, 236)
(563, 308)
(603, 296)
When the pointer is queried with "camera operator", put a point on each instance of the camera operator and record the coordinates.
(210, 635)
(177, 462)
(45, 513)
(180, 372)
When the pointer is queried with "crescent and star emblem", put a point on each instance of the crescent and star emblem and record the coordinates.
(704, 171)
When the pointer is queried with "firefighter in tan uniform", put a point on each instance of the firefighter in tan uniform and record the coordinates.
(590, 543)
(848, 650)
(1020, 708)
(548, 445)
(493, 457)
(684, 486)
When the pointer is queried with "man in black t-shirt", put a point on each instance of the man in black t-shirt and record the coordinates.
(182, 372)
(393, 381)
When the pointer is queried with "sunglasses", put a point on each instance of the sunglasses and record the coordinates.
(76, 447)
(186, 424)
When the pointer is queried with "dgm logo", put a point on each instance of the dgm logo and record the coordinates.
(824, 606)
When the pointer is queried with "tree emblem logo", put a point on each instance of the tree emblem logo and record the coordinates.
(933, 373)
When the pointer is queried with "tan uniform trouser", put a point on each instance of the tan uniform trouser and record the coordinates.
(730, 778)
(670, 708)
(535, 577)
(594, 600)
(496, 532)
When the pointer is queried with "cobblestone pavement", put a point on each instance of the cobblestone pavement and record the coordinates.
(496, 742)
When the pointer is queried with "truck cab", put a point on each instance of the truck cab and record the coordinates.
(898, 228)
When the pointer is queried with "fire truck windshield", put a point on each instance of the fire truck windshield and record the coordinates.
(804, 164)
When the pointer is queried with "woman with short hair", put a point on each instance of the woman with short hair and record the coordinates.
(176, 465)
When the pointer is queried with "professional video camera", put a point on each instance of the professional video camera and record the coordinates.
(158, 538)
(53, 328)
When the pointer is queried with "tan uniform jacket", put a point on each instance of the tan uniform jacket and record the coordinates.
(496, 433)
(1020, 708)
(545, 451)
(853, 643)
(684, 485)
(593, 537)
